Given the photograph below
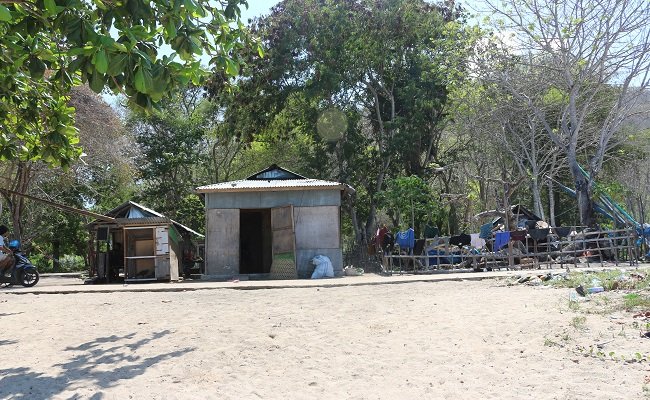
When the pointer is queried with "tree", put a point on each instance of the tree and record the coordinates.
(101, 180)
(49, 46)
(173, 146)
(587, 51)
(409, 201)
(384, 66)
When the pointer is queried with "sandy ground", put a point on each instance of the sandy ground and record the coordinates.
(428, 340)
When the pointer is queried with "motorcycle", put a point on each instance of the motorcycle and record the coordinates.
(23, 272)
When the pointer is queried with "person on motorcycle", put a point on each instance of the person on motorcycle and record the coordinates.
(6, 255)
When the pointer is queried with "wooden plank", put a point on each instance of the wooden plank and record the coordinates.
(283, 247)
(283, 241)
(282, 218)
(222, 242)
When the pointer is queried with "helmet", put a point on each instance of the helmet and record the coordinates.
(14, 244)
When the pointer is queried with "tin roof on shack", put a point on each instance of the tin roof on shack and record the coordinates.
(273, 178)
(132, 213)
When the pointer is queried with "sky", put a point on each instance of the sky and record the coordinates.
(257, 8)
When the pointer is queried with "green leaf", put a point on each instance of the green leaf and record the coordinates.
(232, 68)
(171, 28)
(50, 6)
(101, 61)
(5, 15)
(36, 67)
(117, 64)
(96, 82)
(143, 81)
(75, 51)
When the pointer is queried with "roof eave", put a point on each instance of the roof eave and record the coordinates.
(270, 189)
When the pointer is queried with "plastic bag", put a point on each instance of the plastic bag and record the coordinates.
(324, 268)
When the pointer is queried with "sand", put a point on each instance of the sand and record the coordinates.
(423, 340)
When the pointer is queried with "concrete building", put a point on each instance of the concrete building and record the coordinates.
(271, 225)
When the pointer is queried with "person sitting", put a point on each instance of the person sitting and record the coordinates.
(6, 255)
(188, 262)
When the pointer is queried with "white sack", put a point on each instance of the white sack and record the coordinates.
(324, 268)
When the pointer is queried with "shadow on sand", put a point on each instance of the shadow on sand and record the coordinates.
(10, 313)
(100, 363)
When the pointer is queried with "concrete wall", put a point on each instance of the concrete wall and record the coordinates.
(299, 198)
(317, 228)
(318, 231)
(175, 257)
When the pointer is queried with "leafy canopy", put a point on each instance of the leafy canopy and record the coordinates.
(49, 46)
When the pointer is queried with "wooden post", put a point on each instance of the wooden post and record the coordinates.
(413, 227)
(506, 205)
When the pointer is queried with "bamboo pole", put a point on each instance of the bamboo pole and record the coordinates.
(61, 206)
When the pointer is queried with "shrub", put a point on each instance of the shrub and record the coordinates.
(67, 263)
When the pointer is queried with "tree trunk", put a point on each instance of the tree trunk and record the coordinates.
(369, 229)
(355, 225)
(551, 203)
(583, 195)
(537, 198)
(453, 219)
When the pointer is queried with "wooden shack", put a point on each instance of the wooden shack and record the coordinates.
(140, 245)
(271, 225)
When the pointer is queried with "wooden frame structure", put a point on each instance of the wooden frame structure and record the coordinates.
(554, 252)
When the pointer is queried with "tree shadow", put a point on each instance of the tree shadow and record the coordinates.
(10, 313)
(102, 363)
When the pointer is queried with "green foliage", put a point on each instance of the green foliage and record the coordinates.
(404, 195)
(191, 212)
(71, 263)
(387, 66)
(172, 145)
(48, 47)
(636, 301)
(67, 263)
(42, 262)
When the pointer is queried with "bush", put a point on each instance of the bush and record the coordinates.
(67, 263)
(71, 263)
(41, 262)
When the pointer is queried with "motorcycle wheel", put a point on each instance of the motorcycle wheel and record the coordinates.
(29, 277)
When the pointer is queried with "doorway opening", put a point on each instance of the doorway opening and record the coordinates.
(255, 241)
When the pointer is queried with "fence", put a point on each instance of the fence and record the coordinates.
(558, 247)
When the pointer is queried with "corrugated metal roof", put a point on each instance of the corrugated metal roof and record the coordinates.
(143, 221)
(187, 228)
(124, 207)
(156, 219)
(270, 185)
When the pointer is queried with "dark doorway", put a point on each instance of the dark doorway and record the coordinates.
(255, 241)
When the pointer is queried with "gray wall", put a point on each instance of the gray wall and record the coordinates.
(222, 243)
(318, 231)
(299, 198)
(317, 227)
